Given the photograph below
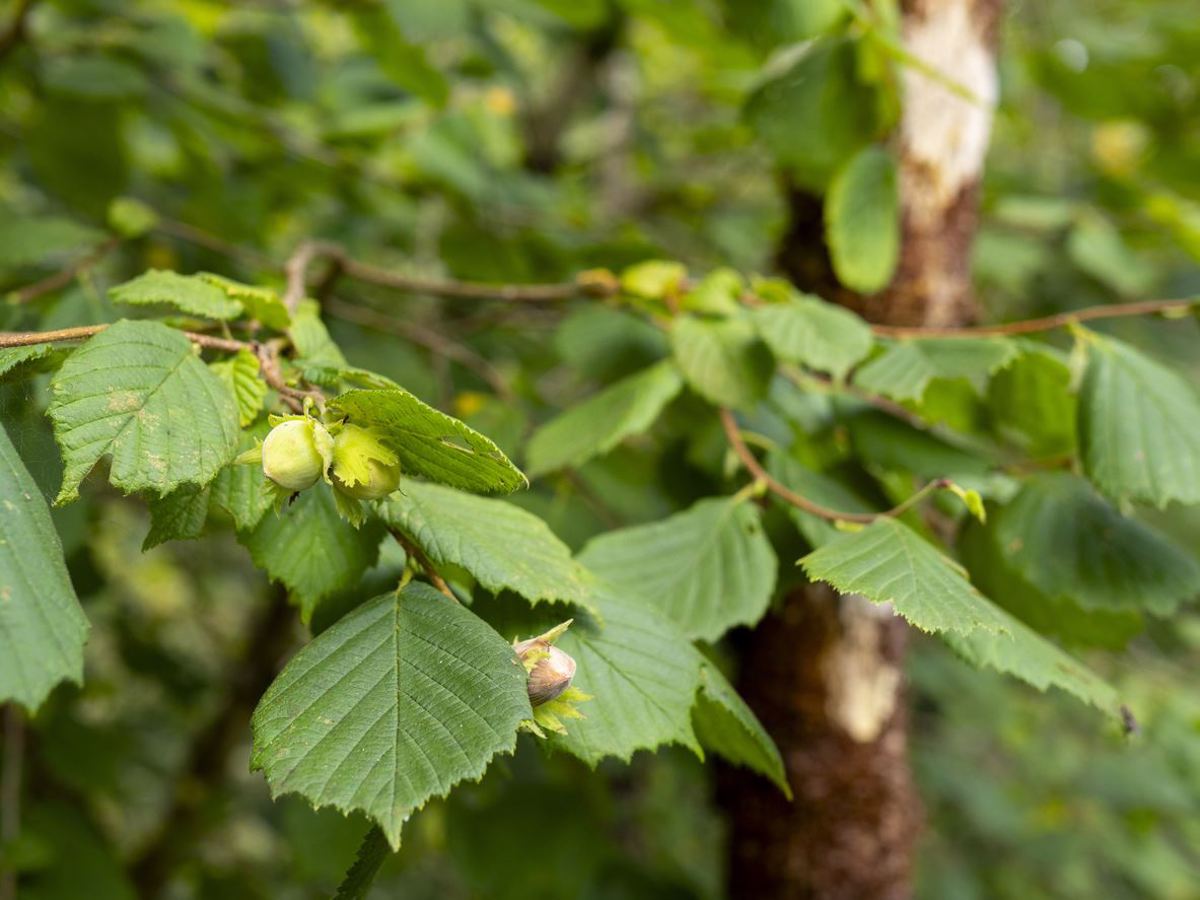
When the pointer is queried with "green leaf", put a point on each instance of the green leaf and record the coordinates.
(259, 303)
(641, 673)
(1032, 404)
(814, 333)
(139, 392)
(1025, 654)
(888, 562)
(130, 217)
(723, 360)
(726, 725)
(311, 338)
(1095, 246)
(501, 545)
(42, 628)
(395, 704)
(49, 239)
(1057, 617)
(599, 423)
(1139, 426)
(240, 374)
(179, 516)
(242, 491)
(1070, 543)
(308, 547)
(431, 443)
(18, 362)
(717, 293)
(186, 293)
(862, 221)
(401, 61)
(653, 279)
(905, 370)
(706, 569)
(817, 113)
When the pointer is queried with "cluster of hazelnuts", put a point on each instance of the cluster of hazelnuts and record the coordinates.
(300, 451)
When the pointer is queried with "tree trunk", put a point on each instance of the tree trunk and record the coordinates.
(825, 672)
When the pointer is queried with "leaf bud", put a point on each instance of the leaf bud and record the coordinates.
(363, 466)
(290, 456)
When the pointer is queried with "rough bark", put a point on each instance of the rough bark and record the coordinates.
(824, 673)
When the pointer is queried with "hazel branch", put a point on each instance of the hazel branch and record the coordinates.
(738, 444)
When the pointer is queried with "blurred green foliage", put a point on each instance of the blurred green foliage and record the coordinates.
(525, 140)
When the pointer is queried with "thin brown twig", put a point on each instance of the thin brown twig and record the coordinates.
(586, 284)
(734, 435)
(63, 277)
(82, 332)
(423, 561)
(267, 354)
(432, 340)
(1044, 323)
(201, 238)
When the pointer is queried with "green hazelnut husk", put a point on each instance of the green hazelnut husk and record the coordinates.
(290, 457)
(364, 467)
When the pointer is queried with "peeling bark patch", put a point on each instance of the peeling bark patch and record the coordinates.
(863, 683)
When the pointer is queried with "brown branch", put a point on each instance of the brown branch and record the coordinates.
(1044, 323)
(193, 235)
(266, 353)
(426, 564)
(82, 332)
(17, 27)
(428, 338)
(586, 284)
(734, 435)
(295, 270)
(64, 276)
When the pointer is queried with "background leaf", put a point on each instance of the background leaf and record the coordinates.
(1139, 426)
(311, 549)
(906, 368)
(602, 421)
(862, 221)
(814, 333)
(706, 569)
(723, 360)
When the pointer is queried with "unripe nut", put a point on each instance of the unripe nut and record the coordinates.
(290, 457)
(376, 471)
(551, 674)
